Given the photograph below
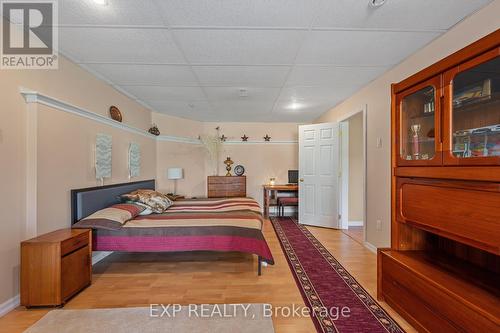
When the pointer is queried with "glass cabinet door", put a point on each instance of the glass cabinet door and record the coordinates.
(419, 131)
(473, 117)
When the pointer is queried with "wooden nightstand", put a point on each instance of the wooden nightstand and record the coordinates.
(55, 267)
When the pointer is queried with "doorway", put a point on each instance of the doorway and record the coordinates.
(353, 170)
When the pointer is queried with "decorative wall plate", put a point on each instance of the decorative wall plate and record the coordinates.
(239, 170)
(115, 113)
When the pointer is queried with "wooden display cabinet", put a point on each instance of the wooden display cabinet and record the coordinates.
(442, 270)
(418, 119)
(472, 123)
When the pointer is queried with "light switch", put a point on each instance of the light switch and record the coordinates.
(379, 142)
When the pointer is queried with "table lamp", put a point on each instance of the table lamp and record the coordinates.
(175, 174)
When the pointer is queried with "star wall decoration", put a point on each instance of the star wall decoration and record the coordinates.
(267, 138)
(244, 138)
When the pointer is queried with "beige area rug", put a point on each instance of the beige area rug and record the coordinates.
(219, 318)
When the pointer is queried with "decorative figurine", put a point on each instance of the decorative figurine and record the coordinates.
(415, 129)
(223, 138)
(228, 162)
(272, 181)
(267, 138)
(244, 138)
(154, 130)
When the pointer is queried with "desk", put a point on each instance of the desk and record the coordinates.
(268, 189)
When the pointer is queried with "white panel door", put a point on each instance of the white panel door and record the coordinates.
(319, 175)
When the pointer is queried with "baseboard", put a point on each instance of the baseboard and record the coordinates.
(99, 255)
(9, 305)
(371, 247)
(355, 223)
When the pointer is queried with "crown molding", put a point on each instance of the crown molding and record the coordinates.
(31, 96)
(261, 142)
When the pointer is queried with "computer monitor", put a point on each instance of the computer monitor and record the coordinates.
(293, 176)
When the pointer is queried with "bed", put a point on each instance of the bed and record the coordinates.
(230, 224)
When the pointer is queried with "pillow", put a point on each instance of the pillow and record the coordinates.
(111, 218)
(157, 201)
(147, 210)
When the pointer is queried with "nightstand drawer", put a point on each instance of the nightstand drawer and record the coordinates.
(72, 244)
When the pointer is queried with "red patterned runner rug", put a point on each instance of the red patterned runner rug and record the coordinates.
(327, 287)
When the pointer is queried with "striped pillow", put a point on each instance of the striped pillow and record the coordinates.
(111, 218)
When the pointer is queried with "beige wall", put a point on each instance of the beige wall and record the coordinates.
(261, 161)
(191, 158)
(356, 167)
(66, 158)
(188, 156)
(376, 96)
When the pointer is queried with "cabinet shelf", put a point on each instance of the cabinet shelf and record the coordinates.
(479, 103)
(453, 279)
(423, 116)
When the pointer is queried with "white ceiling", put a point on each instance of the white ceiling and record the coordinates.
(190, 58)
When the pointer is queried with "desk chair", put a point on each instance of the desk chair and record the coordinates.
(286, 201)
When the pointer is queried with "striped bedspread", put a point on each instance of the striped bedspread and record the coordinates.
(192, 225)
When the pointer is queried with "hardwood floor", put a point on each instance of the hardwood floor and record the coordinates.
(131, 280)
(355, 233)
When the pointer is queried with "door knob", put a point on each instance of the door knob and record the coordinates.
(301, 180)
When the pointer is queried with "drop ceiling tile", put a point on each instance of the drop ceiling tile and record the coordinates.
(375, 48)
(315, 94)
(301, 118)
(333, 76)
(161, 93)
(239, 47)
(119, 45)
(116, 12)
(232, 94)
(264, 76)
(181, 108)
(399, 14)
(242, 107)
(166, 75)
(307, 112)
(275, 13)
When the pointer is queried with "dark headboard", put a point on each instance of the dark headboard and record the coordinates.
(86, 201)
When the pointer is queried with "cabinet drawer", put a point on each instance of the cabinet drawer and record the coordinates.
(72, 244)
(465, 211)
(75, 272)
(226, 180)
(406, 303)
